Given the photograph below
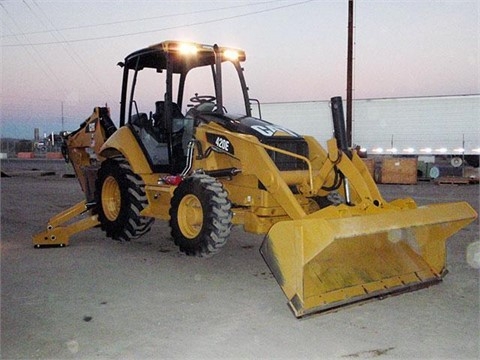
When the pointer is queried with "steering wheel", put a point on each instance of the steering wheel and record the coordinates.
(202, 98)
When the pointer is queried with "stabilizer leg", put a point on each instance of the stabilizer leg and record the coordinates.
(58, 233)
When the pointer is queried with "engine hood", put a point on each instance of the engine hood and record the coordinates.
(242, 124)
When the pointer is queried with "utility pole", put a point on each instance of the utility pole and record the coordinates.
(62, 117)
(349, 72)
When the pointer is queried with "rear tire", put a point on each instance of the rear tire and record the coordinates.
(200, 216)
(120, 197)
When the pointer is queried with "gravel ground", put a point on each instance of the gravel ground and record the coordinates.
(101, 299)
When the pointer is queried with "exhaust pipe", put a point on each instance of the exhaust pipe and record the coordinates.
(341, 136)
(339, 125)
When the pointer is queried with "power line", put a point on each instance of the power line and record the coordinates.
(163, 29)
(66, 46)
(78, 27)
(44, 67)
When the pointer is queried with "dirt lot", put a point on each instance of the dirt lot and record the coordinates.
(101, 299)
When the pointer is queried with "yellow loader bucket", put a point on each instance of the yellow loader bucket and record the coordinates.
(323, 264)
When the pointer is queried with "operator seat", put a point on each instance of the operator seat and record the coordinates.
(140, 120)
(159, 118)
(176, 112)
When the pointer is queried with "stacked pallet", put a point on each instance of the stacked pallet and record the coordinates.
(456, 180)
(398, 171)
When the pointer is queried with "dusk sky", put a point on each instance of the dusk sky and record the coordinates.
(56, 52)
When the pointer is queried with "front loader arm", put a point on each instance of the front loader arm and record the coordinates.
(257, 162)
(361, 185)
(360, 182)
(252, 159)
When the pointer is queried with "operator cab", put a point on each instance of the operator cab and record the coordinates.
(154, 83)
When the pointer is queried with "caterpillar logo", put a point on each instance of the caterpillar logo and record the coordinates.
(220, 142)
(271, 130)
(91, 127)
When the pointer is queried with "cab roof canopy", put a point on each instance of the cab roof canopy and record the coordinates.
(183, 56)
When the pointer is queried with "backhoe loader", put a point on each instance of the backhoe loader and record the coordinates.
(203, 168)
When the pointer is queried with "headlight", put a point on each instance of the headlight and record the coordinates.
(230, 54)
(187, 49)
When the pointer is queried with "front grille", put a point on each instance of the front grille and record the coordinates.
(285, 162)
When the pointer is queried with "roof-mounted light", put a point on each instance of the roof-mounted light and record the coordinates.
(231, 55)
(187, 49)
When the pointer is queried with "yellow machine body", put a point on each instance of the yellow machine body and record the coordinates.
(323, 259)
(323, 256)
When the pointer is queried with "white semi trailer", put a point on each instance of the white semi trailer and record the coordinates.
(422, 126)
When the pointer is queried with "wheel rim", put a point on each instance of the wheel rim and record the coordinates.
(190, 216)
(111, 198)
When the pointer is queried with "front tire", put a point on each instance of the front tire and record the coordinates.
(200, 216)
(120, 197)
